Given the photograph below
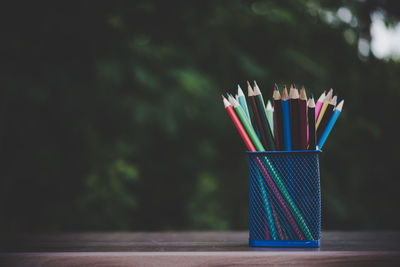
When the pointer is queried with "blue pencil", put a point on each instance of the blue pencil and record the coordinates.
(331, 123)
(286, 120)
(242, 102)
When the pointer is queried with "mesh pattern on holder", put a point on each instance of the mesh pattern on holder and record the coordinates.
(285, 197)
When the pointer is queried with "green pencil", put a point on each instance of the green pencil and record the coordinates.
(247, 125)
(263, 116)
(256, 141)
(271, 169)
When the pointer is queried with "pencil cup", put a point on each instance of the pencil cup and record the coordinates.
(285, 199)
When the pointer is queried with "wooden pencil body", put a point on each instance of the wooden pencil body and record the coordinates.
(278, 125)
(324, 121)
(257, 118)
(311, 129)
(302, 124)
(294, 123)
(286, 125)
(265, 124)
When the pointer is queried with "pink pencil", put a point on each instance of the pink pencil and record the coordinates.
(319, 104)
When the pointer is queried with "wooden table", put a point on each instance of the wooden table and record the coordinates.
(193, 249)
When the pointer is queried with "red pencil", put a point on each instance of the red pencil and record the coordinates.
(303, 119)
(238, 125)
(261, 166)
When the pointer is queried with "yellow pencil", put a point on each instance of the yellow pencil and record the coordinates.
(323, 108)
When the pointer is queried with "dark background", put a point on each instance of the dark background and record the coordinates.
(111, 116)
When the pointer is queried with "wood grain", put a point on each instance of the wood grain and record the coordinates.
(193, 249)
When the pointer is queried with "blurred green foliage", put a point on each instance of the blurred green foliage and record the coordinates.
(111, 117)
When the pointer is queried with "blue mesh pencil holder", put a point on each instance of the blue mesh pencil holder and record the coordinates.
(284, 199)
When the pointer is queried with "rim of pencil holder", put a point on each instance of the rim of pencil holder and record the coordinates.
(284, 151)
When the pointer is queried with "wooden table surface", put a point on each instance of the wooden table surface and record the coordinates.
(193, 249)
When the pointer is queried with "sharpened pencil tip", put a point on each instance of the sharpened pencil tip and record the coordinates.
(291, 86)
(311, 103)
(240, 92)
(269, 105)
(340, 105)
(249, 89)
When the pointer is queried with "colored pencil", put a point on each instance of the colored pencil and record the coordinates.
(257, 88)
(236, 121)
(247, 125)
(278, 225)
(308, 139)
(268, 170)
(242, 101)
(250, 131)
(303, 119)
(336, 113)
(327, 115)
(265, 124)
(294, 117)
(311, 124)
(286, 120)
(327, 99)
(229, 98)
(319, 104)
(257, 116)
(278, 119)
(269, 110)
(240, 116)
(266, 173)
(265, 168)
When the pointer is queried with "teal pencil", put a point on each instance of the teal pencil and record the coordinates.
(267, 205)
(270, 116)
(242, 101)
(250, 131)
(269, 172)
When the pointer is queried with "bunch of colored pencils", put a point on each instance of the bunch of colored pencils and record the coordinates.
(291, 123)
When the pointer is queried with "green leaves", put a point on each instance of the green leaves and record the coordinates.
(192, 82)
(107, 199)
(113, 119)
